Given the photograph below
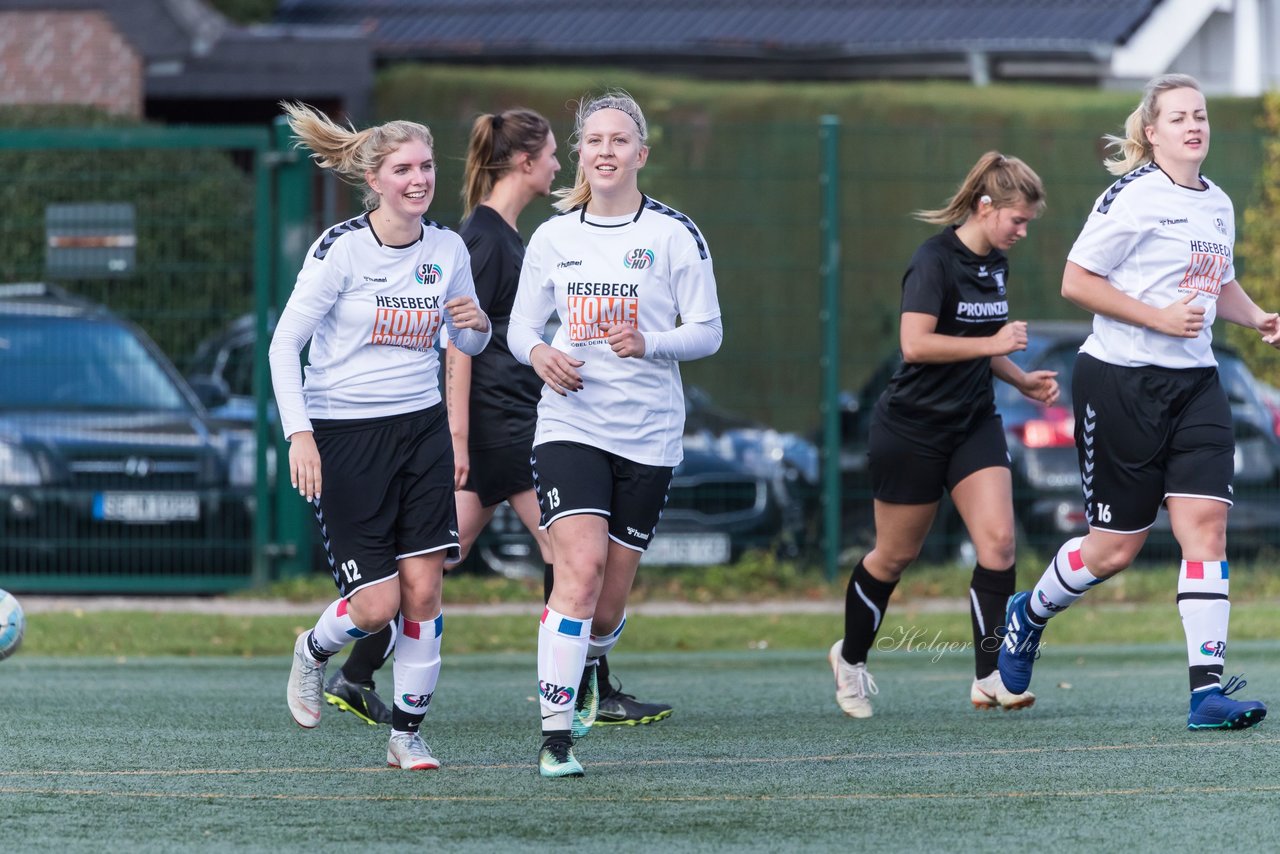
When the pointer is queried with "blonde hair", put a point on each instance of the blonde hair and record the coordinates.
(1134, 149)
(495, 141)
(579, 194)
(1000, 180)
(349, 152)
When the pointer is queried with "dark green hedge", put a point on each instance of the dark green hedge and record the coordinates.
(743, 160)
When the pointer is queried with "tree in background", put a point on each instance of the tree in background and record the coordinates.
(1259, 252)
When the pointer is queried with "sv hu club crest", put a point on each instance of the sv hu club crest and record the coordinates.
(429, 274)
(638, 259)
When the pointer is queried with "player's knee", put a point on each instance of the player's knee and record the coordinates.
(893, 562)
(997, 549)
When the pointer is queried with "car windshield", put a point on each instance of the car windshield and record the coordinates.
(69, 363)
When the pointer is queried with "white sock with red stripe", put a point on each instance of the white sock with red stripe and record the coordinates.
(1065, 581)
(562, 656)
(599, 645)
(416, 669)
(1206, 610)
(334, 630)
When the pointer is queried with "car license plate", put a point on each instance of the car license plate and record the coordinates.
(146, 507)
(687, 549)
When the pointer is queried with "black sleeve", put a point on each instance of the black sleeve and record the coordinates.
(925, 284)
(486, 267)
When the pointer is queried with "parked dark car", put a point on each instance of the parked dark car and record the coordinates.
(735, 491)
(110, 470)
(1048, 503)
(221, 371)
(716, 510)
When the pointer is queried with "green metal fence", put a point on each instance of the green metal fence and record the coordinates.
(183, 231)
(123, 249)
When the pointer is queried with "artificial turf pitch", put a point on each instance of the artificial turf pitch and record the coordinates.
(176, 754)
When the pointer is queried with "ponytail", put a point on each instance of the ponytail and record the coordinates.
(496, 140)
(996, 179)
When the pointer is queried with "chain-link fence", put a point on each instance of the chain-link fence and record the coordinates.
(170, 230)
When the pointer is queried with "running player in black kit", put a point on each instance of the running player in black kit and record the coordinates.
(936, 426)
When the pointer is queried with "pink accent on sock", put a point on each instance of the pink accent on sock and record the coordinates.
(1075, 560)
(1195, 569)
(412, 629)
(342, 607)
(545, 611)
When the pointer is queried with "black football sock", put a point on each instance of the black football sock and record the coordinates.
(865, 601)
(989, 592)
(367, 655)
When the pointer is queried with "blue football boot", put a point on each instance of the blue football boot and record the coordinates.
(1214, 709)
(1021, 645)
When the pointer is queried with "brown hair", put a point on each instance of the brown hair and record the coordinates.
(346, 151)
(1134, 149)
(1003, 181)
(495, 141)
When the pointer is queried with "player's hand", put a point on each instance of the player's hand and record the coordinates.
(1269, 329)
(304, 464)
(1180, 318)
(1011, 337)
(1041, 386)
(465, 314)
(625, 340)
(461, 463)
(558, 370)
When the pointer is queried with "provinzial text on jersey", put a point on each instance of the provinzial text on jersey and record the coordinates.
(982, 309)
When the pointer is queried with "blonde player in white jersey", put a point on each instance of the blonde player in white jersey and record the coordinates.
(369, 441)
(618, 269)
(1155, 264)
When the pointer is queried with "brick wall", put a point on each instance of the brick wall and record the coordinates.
(68, 58)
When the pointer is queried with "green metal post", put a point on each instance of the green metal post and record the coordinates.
(263, 523)
(295, 525)
(830, 318)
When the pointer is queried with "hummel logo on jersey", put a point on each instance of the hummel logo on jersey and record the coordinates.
(564, 264)
(1178, 221)
(382, 279)
(556, 695)
(633, 532)
(638, 259)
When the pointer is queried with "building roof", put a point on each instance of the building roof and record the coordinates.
(190, 51)
(832, 32)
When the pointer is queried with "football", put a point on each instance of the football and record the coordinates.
(12, 625)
